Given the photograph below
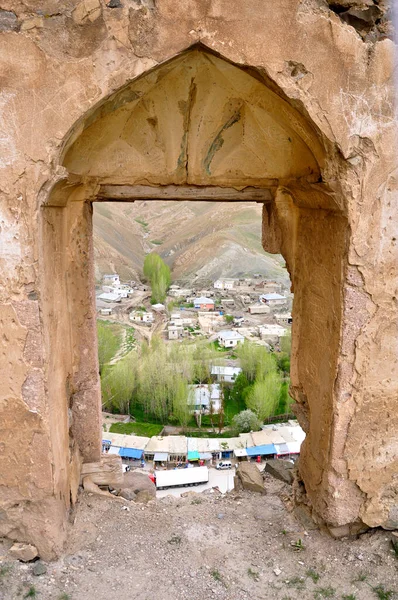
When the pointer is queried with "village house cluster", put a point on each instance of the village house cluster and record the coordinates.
(282, 440)
(227, 311)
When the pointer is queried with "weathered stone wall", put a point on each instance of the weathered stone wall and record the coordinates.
(57, 64)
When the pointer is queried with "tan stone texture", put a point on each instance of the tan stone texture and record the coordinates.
(293, 99)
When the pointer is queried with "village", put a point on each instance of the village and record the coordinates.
(229, 310)
(225, 314)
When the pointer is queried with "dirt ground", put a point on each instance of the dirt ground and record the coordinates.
(235, 546)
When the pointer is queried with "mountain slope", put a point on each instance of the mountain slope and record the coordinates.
(199, 240)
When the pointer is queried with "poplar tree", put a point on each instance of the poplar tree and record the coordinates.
(159, 276)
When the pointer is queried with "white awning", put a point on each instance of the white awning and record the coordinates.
(161, 457)
(239, 452)
(293, 447)
(113, 450)
(205, 455)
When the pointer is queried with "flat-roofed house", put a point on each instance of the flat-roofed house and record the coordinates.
(230, 339)
(203, 303)
(227, 374)
(110, 297)
(272, 299)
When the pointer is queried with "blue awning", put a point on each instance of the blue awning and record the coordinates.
(130, 453)
(193, 455)
(261, 450)
(107, 442)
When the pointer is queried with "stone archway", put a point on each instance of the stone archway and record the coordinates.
(335, 93)
(200, 127)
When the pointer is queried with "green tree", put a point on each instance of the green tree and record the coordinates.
(245, 421)
(221, 414)
(159, 276)
(264, 395)
(256, 361)
(286, 343)
(181, 410)
(118, 384)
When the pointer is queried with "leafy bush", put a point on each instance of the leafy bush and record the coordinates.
(246, 421)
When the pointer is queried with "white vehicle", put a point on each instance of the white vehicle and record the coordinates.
(181, 477)
(224, 464)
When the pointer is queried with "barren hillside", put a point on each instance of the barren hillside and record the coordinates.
(199, 240)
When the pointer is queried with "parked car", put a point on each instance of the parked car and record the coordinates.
(224, 464)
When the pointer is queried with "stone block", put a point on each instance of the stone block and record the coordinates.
(23, 552)
(280, 469)
(8, 21)
(251, 477)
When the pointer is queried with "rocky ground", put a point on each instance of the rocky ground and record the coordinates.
(236, 546)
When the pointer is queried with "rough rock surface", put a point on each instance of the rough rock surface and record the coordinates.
(23, 552)
(181, 549)
(137, 487)
(251, 477)
(280, 469)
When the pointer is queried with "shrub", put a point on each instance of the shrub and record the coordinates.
(246, 421)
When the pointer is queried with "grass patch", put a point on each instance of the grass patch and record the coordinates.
(65, 597)
(296, 582)
(216, 346)
(313, 575)
(141, 221)
(382, 593)
(326, 592)
(137, 428)
(31, 593)
(175, 539)
(109, 340)
(298, 545)
(4, 570)
(253, 574)
(348, 597)
(233, 404)
(157, 242)
(216, 575)
(360, 577)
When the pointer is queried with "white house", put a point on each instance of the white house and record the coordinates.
(272, 299)
(112, 278)
(139, 316)
(175, 331)
(224, 284)
(110, 297)
(284, 318)
(105, 311)
(158, 307)
(227, 374)
(202, 395)
(230, 339)
(271, 333)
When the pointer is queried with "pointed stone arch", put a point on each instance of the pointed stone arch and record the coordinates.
(196, 119)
